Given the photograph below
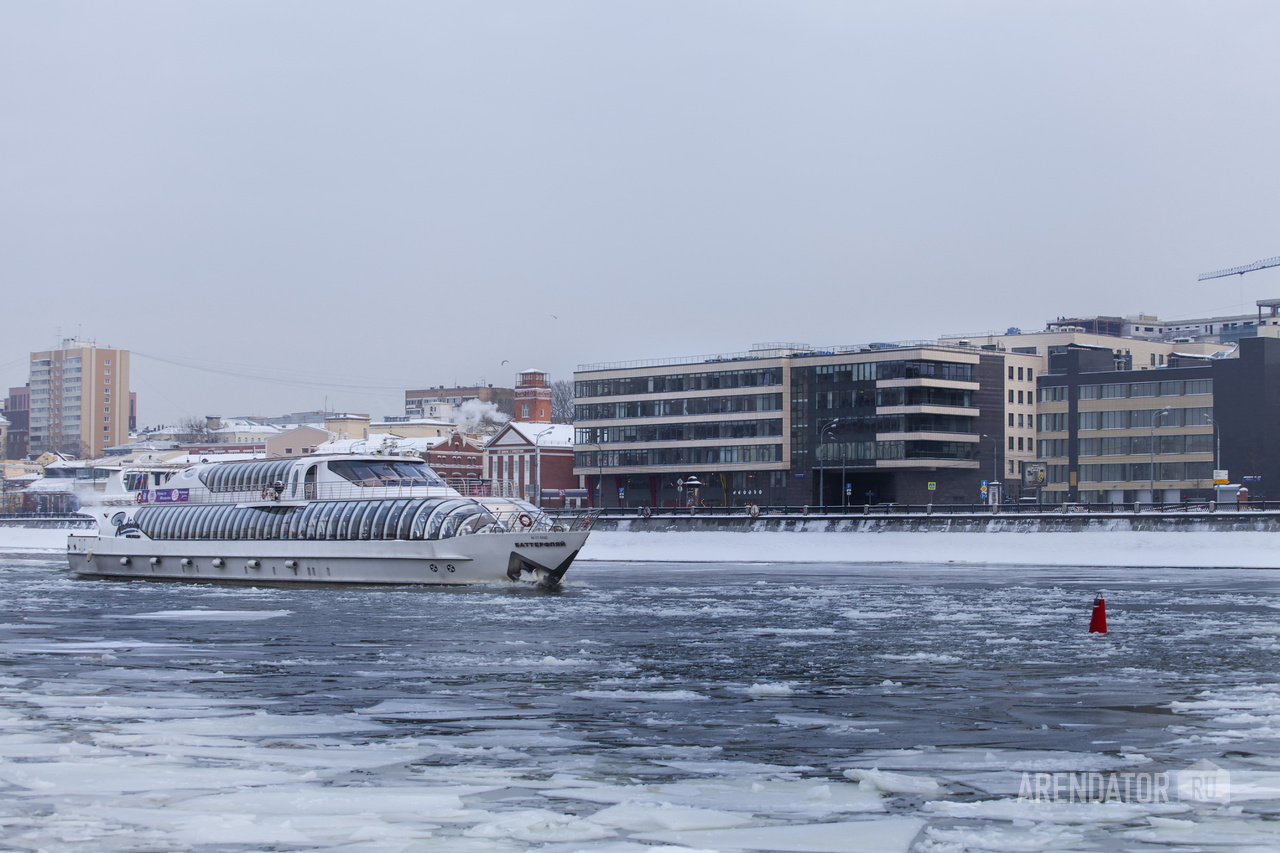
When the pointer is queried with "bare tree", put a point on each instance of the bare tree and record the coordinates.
(562, 401)
(194, 429)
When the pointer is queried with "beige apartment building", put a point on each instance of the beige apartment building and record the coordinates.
(79, 399)
(1019, 435)
(1129, 353)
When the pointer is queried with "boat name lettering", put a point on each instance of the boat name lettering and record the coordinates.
(540, 545)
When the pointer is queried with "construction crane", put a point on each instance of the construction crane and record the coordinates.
(1256, 265)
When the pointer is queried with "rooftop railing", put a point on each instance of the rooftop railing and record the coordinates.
(345, 491)
(801, 351)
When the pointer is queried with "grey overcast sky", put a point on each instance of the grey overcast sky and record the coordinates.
(282, 206)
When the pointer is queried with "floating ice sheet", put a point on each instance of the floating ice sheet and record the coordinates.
(205, 615)
(884, 835)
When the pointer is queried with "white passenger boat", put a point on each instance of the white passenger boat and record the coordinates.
(322, 519)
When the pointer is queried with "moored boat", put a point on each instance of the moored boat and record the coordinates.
(323, 519)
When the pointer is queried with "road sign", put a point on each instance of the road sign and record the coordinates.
(848, 488)
(933, 487)
(1220, 477)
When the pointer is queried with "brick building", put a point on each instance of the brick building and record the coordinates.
(530, 455)
(533, 397)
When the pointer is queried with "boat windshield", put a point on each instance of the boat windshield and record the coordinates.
(388, 472)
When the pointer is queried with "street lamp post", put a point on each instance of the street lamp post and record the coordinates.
(1217, 442)
(844, 476)
(822, 469)
(995, 468)
(1162, 412)
(600, 477)
(537, 463)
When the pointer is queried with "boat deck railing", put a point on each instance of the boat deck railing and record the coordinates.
(547, 521)
(345, 491)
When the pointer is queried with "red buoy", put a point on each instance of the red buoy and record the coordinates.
(1098, 622)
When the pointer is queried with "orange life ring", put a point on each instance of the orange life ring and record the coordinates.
(138, 497)
(526, 520)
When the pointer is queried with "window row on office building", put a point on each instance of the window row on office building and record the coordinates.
(954, 422)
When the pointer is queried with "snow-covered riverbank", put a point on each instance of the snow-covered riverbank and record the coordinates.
(1164, 549)
(24, 539)
(1172, 549)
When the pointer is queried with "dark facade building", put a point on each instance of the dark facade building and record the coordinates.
(902, 427)
(17, 411)
(1118, 436)
(1246, 407)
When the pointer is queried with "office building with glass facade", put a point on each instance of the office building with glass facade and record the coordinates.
(789, 424)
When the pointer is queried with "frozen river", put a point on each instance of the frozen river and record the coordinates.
(642, 707)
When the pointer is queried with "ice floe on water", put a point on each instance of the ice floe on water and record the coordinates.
(207, 615)
(684, 708)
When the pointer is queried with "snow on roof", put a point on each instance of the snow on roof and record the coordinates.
(249, 427)
(69, 463)
(375, 441)
(552, 435)
(291, 427)
(52, 484)
(195, 458)
(413, 421)
(385, 442)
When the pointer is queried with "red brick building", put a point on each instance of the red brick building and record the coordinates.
(519, 450)
(533, 397)
(458, 459)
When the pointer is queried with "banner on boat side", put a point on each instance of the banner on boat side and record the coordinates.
(164, 496)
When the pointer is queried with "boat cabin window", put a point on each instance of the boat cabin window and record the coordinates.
(389, 472)
(135, 481)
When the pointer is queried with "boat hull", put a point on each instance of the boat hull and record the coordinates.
(540, 558)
